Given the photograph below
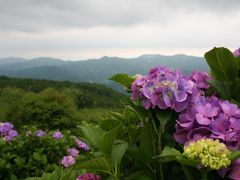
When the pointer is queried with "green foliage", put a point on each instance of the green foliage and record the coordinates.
(108, 150)
(58, 174)
(49, 109)
(93, 134)
(224, 66)
(28, 156)
(85, 95)
(123, 79)
(225, 69)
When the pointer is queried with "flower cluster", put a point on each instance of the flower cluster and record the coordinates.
(164, 88)
(83, 146)
(68, 161)
(57, 135)
(7, 132)
(88, 176)
(210, 118)
(73, 153)
(210, 153)
(40, 133)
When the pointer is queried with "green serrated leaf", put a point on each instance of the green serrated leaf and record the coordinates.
(123, 79)
(109, 124)
(97, 164)
(107, 140)
(93, 134)
(118, 151)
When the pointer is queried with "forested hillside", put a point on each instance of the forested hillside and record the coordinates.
(95, 70)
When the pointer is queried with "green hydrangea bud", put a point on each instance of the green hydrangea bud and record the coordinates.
(210, 153)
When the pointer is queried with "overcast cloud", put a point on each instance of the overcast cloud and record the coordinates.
(79, 29)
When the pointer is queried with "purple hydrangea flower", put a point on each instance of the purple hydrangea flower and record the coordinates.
(40, 133)
(236, 53)
(57, 135)
(211, 118)
(7, 131)
(88, 176)
(163, 88)
(200, 79)
(5, 127)
(73, 152)
(68, 161)
(82, 145)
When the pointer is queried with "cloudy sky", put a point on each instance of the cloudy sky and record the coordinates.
(82, 29)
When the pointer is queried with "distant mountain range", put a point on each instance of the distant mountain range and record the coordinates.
(95, 70)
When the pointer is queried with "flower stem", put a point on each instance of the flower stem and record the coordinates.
(204, 175)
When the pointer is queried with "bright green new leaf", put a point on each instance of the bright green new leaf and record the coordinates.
(123, 79)
(93, 134)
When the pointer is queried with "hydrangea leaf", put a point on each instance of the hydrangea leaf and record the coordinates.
(93, 134)
(107, 140)
(224, 66)
(118, 151)
(222, 87)
(123, 79)
(163, 117)
(97, 164)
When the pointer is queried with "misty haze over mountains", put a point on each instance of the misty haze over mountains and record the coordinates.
(95, 70)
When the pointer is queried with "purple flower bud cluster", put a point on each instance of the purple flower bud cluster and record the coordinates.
(88, 176)
(57, 135)
(68, 161)
(7, 132)
(73, 152)
(164, 88)
(83, 146)
(236, 53)
(40, 133)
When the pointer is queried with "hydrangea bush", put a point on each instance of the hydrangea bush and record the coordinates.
(32, 152)
(175, 126)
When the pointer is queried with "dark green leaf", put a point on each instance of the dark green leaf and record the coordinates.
(97, 164)
(223, 64)
(163, 117)
(107, 141)
(147, 142)
(222, 87)
(118, 151)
